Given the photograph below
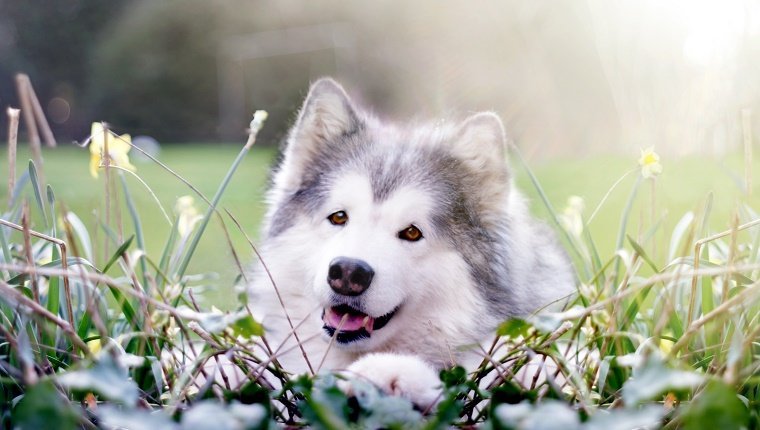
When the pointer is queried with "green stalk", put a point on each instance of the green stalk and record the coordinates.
(256, 124)
(138, 229)
(623, 225)
(553, 213)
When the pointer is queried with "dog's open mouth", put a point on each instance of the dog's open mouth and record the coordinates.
(352, 324)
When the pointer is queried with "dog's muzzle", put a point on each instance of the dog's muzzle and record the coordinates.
(349, 278)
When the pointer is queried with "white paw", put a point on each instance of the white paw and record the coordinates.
(406, 376)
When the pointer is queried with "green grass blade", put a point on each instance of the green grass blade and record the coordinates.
(551, 210)
(596, 261)
(51, 207)
(163, 264)
(678, 233)
(7, 256)
(116, 255)
(53, 301)
(71, 261)
(210, 211)
(639, 250)
(82, 234)
(20, 184)
(38, 192)
(138, 228)
(624, 226)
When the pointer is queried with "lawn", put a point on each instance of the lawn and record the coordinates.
(684, 186)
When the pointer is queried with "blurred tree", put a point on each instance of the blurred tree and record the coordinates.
(53, 43)
(154, 71)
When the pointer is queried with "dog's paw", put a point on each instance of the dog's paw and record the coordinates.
(406, 376)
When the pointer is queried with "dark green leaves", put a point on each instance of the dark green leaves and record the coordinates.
(42, 407)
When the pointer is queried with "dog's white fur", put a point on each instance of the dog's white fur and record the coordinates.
(440, 311)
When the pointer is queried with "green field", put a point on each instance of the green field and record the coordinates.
(684, 186)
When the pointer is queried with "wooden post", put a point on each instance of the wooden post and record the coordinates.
(39, 114)
(26, 109)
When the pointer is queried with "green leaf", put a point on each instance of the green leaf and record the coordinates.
(326, 408)
(106, 378)
(548, 415)
(134, 419)
(514, 328)
(453, 377)
(43, 406)
(247, 327)
(716, 407)
(210, 415)
(647, 417)
(654, 379)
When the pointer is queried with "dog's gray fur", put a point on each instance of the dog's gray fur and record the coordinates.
(514, 265)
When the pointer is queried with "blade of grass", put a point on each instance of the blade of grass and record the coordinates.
(116, 255)
(7, 257)
(255, 127)
(38, 192)
(163, 263)
(53, 301)
(22, 181)
(551, 210)
(82, 234)
(623, 227)
(138, 228)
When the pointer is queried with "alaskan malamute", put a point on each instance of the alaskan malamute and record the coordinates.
(394, 248)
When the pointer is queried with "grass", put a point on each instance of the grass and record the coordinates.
(660, 335)
(684, 186)
(203, 166)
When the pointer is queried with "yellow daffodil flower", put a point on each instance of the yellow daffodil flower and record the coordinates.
(118, 147)
(188, 215)
(650, 163)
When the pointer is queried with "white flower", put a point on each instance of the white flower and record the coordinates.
(650, 163)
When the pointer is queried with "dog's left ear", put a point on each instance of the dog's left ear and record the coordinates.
(326, 115)
(481, 144)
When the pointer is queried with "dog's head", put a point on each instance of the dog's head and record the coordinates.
(390, 231)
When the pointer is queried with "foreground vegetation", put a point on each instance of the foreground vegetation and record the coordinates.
(97, 310)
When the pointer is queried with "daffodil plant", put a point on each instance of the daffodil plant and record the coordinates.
(118, 148)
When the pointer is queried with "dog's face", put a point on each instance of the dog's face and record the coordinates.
(386, 230)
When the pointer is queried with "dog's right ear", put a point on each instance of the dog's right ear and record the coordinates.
(326, 115)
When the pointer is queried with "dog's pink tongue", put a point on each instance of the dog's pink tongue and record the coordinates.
(352, 322)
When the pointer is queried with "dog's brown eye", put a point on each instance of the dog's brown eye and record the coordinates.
(411, 233)
(338, 218)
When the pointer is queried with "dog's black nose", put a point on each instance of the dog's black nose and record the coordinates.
(349, 276)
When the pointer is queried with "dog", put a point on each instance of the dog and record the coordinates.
(390, 251)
